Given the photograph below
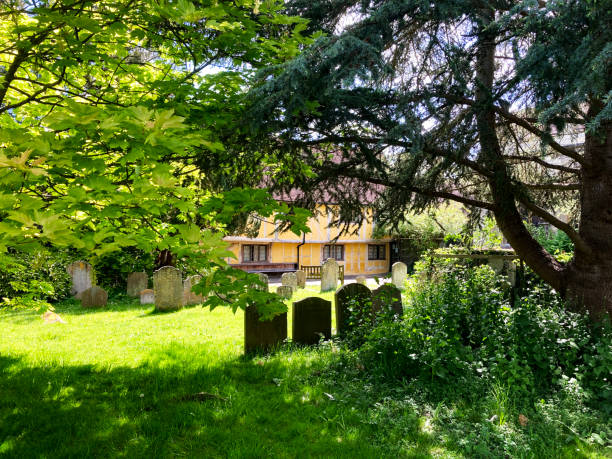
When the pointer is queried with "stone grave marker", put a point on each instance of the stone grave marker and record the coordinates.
(351, 296)
(265, 280)
(50, 317)
(311, 319)
(263, 335)
(361, 280)
(137, 282)
(399, 271)
(387, 297)
(284, 291)
(168, 287)
(329, 275)
(147, 296)
(301, 278)
(190, 297)
(81, 273)
(94, 297)
(289, 280)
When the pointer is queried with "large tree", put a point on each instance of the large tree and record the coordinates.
(113, 118)
(500, 105)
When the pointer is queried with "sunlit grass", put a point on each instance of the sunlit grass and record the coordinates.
(125, 381)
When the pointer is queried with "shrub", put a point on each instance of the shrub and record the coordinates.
(29, 278)
(113, 268)
(460, 326)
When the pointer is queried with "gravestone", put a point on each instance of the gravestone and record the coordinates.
(284, 291)
(399, 271)
(168, 287)
(352, 296)
(147, 296)
(263, 335)
(265, 280)
(329, 275)
(361, 280)
(289, 280)
(301, 278)
(387, 298)
(136, 283)
(81, 273)
(190, 297)
(511, 273)
(311, 318)
(496, 263)
(94, 297)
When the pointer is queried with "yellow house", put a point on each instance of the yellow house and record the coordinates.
(274, 251)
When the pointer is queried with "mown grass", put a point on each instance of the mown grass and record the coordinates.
(121, 382)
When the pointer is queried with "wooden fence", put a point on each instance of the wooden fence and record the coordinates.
(314, 272)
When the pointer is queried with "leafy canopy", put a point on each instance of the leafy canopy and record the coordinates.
(114, 119)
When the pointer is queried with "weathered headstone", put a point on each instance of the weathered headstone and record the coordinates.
(301, 278)
(387, 298)
(329, 275)
(168, 286)
(265, 281)
(190, 297)
(353, 303)
(94, 297)
(81, 273)
(136, 283)
(147, 296)
(399, 271)
(263, 335)
(511, 273)
(284, 291)
(496, 263)
(289, 280)
(311, 319)
(361, 280)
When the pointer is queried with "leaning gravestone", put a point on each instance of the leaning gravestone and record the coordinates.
(387, 298)
(81, 273)
(399, 271)
(329, 275)
(147, 296)
(168, 287)
(311, 319)
(136, 283)
(301, 278)
(353, 303)
(284, 291)
(94, 297)
(263, 335)
(289, 280)
(190, 297)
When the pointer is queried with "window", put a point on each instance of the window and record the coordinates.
(376, 252)
(333, 251)
(254, 253)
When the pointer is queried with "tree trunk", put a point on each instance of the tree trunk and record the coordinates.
(589, 278)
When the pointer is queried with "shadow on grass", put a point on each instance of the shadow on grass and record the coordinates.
(262, 407)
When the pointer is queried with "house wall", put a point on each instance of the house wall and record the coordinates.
(283, 245)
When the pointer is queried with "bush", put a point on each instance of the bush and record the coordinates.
(29, 278)
(461, 327)
(113, 268)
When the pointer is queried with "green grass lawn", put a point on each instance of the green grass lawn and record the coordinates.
(121, 382)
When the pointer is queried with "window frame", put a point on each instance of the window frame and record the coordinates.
(252, 255)
(378, 248)
(333, 247)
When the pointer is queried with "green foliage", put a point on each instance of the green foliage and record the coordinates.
(34, 279)
(112, 268)
(115, 120)
(555, 242)
(462, 325)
